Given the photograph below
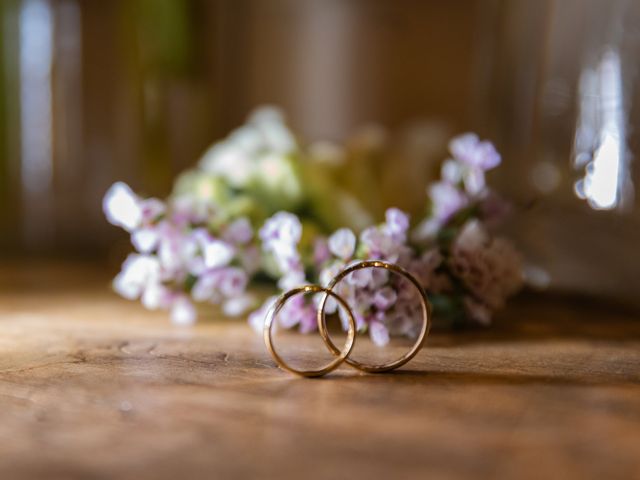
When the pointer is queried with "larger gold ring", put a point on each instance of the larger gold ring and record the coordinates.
(341, 356)
(426, 316)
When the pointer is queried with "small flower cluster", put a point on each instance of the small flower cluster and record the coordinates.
(178, 259)
(243, 215)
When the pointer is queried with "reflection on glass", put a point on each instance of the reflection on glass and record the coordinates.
(600, 143)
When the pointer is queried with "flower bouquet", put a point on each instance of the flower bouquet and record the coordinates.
(263, 207)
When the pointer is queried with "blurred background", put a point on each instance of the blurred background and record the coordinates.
(135, 90)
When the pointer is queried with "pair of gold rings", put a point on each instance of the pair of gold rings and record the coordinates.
(343, 355)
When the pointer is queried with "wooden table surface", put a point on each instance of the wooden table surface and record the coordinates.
(92, 386)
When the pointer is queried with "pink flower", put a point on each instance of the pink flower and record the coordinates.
(379, 277)
(151, 209)
(379, 333)
(490, 268)
(298, 311)
(250, 259)
(469, 150)
(446, 200)
(214, 284)
(205, 287)
(474, 182)
(397, 223)
(360, 278)
(232, 281)
(380, 244)
(321, 252)
(238, 232)
(384, 298)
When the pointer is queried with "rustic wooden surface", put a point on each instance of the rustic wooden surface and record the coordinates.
(92, 386)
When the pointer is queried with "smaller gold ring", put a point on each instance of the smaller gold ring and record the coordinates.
(426, 315)
(341, 356)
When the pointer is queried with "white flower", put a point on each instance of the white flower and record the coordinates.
(270, 123)
(122, 207)
(156, 296)
(138, 271)
(276, 173)
(230, 162)
(280, 235)
(145, 240)
(266, 114)
(282, 227)
(217, 253)
(255, 152)
(247, 138)
(183, 312)
(342, 243)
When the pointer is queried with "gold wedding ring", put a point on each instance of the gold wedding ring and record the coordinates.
(341, 355)
(426, 317)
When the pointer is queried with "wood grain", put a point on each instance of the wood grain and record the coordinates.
(92, 386)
